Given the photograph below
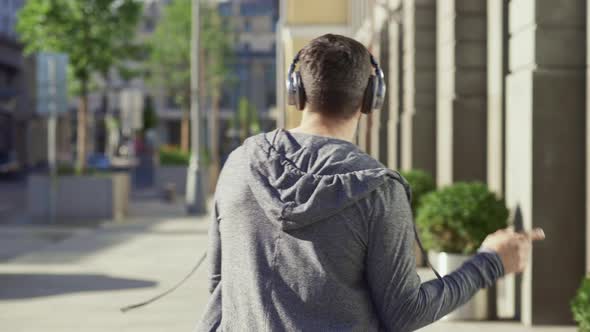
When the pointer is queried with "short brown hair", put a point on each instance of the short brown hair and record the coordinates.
(335, 71)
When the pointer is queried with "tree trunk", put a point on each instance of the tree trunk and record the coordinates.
(102, 140)
(214, 141)
(184, 131)
(81, 135)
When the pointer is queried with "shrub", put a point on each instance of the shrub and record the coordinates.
(421, 183)
(457, 218)
(580, 306)
(173, 156)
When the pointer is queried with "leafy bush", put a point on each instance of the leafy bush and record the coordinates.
(580, 306)
(421, 183)
(457, 218)
(173, 156)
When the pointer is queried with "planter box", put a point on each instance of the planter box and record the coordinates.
(177, 176)
(90, 197)
(172, 175)
(477, 307)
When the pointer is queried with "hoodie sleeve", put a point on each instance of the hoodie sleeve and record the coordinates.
(214, 250)
(402, 302)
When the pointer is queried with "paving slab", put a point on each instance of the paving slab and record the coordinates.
(81, 282)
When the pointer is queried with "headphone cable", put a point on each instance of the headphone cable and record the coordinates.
(168, 291)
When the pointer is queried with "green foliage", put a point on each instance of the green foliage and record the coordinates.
(457, 218)
(580, 306)
(170, 51)
(69, 170)
(173, 156)
(248, 119)
(421, 183)
(94, 33)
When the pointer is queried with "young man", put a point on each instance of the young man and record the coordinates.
(311, 234)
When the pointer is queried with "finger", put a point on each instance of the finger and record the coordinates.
(536, 234)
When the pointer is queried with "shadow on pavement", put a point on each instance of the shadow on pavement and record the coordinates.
(22, 285)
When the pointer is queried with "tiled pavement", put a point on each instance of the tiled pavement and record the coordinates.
(79, 283)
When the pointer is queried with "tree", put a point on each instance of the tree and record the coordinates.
(248, 119)
(170, 58)
(91, 32)
(217, 44)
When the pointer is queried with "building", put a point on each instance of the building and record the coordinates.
(253, 23)
(23, 130)
(11, 89)
(491, 91)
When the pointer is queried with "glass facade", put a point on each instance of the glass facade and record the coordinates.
(8, 11)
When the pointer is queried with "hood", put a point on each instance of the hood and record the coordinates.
(299, 179)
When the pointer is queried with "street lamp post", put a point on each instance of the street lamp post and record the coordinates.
(195, 198)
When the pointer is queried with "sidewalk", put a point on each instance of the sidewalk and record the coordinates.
(80, 283)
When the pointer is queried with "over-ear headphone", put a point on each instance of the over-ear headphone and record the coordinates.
(373, 98)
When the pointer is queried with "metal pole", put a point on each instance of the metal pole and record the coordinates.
(51, 138)
(195, 198)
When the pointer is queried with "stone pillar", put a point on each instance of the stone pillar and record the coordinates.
(461, 91)
(497, 69)
(545, 149)
(379, 133)
(419, 88)
(394, 85)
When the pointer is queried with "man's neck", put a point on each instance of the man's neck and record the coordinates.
(316, 124)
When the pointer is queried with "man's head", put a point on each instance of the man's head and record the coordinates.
(335, 71)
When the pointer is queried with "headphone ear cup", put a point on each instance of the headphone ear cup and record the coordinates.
(369, 96)
(300, 97)
(291, 92)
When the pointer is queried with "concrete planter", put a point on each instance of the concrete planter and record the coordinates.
(477, 307)
(91, 197)
(176, 175)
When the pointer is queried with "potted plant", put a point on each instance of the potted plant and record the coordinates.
(421, 183)
(453, 222)
(580, 306)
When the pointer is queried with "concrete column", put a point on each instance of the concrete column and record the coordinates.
(363, 133)
(394, 85)
(419, 88)
(497, 69)
(374, 142)
(545, 149)
(379, 133)
(461, 91)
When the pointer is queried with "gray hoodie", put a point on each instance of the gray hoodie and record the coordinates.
(309, 233)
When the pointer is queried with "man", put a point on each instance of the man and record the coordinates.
(311, 234)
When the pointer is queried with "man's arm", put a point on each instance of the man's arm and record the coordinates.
(214, 250)
(211, 318)
(402, 301)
